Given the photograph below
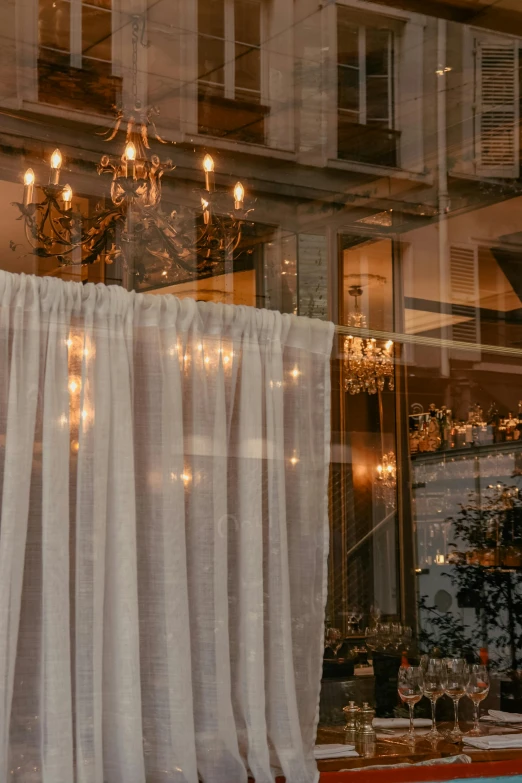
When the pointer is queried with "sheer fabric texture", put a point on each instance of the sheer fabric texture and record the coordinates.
(163, 539)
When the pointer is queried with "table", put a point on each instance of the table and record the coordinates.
(390, 750)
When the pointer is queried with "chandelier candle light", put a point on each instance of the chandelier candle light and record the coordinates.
(132, 227)
(366, 365)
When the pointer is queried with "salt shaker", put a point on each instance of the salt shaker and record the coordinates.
(366, 738)
(350, 730)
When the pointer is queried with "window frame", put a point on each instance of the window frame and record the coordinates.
(76, 55)
(229, 65)
(363, 76)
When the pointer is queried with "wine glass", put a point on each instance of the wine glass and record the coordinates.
(433, 688)
(477, 688)
(410, 685)
(455, 677)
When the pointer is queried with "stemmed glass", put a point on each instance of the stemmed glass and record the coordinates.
(477, 688)
(455, 677)
(410, 687)
(433, 688)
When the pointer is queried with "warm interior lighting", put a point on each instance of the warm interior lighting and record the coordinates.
(294, 459)
(239, 195)
(56, 159)
(389, 344)
(29, 177)
(208, 163)
(295, 373)
(67, 194)
(73, 385)
(130, 151)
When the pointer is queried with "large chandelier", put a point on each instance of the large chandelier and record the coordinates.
(133, 227)
(367, 365)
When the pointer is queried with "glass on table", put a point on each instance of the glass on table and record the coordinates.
(433, 689)
(455, 678)
(477, 688)
(410, 688)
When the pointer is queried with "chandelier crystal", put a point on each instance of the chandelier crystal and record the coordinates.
(386, 479)
(367, 366)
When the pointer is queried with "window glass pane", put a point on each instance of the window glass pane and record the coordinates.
(348, 88)
(247, 22)
(347, 42)
(54, 24)
(377, 98)
(96, 33)
(248, 68)
(211, 17)
(377, 52)
(211, 57)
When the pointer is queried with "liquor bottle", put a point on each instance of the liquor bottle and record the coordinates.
(494, 421)
(434, 435)
(469, 427)
(511, 425)
(518, 431)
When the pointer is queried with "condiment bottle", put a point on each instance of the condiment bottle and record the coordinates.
(366, 737)
(351, 713)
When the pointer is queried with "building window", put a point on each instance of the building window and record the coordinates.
(365, 96)
(229, 69)
(75, 55)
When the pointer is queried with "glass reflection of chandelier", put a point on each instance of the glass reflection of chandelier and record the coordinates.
(366, 364)
(132, 227)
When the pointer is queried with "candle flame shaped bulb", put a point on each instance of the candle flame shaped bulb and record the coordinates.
(56, 164)
(130, 155)
(208, 168)
(67, 195)
(130, 151)
(28, 186)
(239, 195)
(29, 177)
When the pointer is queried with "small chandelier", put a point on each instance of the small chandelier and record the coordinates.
(386, 479)
(132, 227)
(367, 365)
(387, 470)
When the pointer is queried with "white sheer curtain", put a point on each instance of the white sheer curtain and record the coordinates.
(163, 539)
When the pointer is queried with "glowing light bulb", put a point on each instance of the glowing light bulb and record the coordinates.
(208, 168)
(56, 159)
(294, 459)
(69, 343)
(239, 195)
(29, 177)
(185, 477)
(295, 373)
(28, 186)
(56, 164)
(379, 469)
(73, 385)
(389, 344)
(130, 151)
(67, 194)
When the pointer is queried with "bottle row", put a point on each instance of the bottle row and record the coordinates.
(438, 430)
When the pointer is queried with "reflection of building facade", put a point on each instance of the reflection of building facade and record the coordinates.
(380, 148)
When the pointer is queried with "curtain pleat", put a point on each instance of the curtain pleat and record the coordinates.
(163, 539)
